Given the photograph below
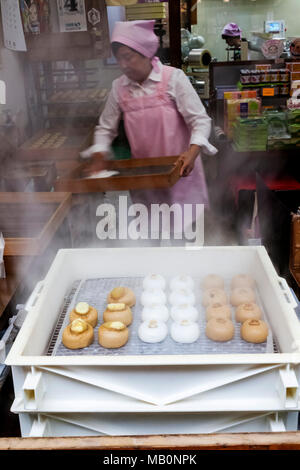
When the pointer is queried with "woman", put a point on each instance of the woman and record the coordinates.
(232, 35)
(162, 114)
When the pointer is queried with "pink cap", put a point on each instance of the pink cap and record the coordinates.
(139, 35)
(232, 29)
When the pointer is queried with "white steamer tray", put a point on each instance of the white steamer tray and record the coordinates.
(128, 424)
(156, 382)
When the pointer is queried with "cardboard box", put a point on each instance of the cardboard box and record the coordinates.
(295, 76)
(293, 66)
(146, 11)
(236, 95)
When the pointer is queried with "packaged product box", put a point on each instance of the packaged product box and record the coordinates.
(295, 85)
(262, 66)
(228, 128)
(277, 124)
(293, 66)
(293, 117)
(236, 95)
(285, 144)
(295, 76)
(146, 11)
(239, 103)
(293, 103)
(242, 107)
(239, 108)
(250, 134)
(294, 130)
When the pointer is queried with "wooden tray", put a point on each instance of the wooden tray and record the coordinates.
(29, 220)
(56, 143)
(135, 173)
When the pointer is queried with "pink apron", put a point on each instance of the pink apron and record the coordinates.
(154, 128)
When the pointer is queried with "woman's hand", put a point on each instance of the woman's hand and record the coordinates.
(95, 164)
(188, 158)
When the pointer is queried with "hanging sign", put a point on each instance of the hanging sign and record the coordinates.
(72, 16)
(12, 25)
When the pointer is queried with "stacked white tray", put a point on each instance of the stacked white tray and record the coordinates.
(179, 391)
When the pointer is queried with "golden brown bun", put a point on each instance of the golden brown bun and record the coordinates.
(219, 329)
(123, 295)
(91, 317)
(124, 316)
(111, 337)
(254, 331)
(247, 311)
(81, 340)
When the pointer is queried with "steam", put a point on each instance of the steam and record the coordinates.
(79, 229)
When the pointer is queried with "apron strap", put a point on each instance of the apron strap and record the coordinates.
(166, 75)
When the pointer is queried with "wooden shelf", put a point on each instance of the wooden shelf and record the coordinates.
(29, 220)
(55, 143)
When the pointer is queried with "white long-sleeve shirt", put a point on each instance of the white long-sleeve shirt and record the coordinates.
(179, 89)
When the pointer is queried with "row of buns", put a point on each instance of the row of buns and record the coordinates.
(117, 316)
(112, 333)
(219, 325)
